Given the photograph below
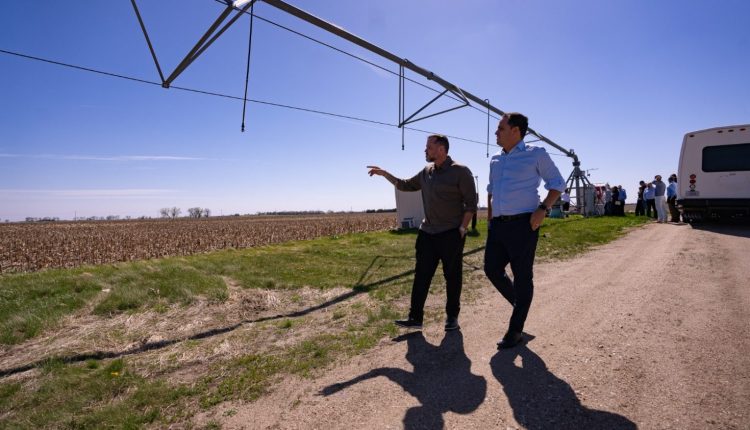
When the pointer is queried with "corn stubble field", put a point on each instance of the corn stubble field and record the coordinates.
(26, 247)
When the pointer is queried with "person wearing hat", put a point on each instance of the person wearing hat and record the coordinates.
(660, 199)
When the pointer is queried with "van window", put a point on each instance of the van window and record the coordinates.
(726, 158)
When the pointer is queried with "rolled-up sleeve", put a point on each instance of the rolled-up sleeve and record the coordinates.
(468, 190)
(553, 180)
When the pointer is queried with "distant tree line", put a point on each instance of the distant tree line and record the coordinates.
(197, 212)
(43, 219)
(175, 212)
(84, 218)
(292, 213)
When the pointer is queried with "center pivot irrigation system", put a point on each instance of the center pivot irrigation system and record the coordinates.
(576, 181)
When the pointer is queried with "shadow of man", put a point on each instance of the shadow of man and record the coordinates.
(541, 400)
(442, 380)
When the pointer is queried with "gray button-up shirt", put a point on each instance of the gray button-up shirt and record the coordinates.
(659, 188)
(448, 192)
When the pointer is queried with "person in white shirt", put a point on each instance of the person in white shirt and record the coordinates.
(565, 198)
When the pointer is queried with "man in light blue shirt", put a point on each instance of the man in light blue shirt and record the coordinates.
(515, 215)
(672, 198)
(648, 197)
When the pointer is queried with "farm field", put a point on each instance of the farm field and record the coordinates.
(26, 247)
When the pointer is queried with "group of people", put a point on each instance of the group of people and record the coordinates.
(613, 199)
(658, 200)
(515, 214)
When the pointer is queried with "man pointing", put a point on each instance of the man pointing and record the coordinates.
(450, 200)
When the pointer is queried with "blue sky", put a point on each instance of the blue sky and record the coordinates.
(620, 82)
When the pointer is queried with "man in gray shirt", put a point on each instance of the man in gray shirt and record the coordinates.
(450, 201)
(660, 199)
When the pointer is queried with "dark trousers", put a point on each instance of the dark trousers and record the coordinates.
(512, 242)
(619, 208)
(651, 208)
(673, 211)
(640, 208)
(448, 248)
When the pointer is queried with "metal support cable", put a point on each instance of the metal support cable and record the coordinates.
(228, 96)
(247, 71)
(410, 120)
(401, 103)
(86, 69)
(148, 40)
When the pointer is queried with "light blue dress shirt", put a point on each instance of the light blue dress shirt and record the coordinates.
(648, 193)
(672, 190)
(515, 178)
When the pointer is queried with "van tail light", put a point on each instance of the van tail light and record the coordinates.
(692, 181)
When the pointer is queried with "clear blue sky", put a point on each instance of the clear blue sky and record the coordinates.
(618, 81)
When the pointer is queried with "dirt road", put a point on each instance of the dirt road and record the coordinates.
(650, 331)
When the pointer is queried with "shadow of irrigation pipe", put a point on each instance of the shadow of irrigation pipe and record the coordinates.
(150, 346)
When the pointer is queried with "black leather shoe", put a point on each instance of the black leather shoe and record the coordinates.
(510, 340)
(451, 324)
(409, 323)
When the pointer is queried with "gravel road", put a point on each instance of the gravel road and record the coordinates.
(649, 331)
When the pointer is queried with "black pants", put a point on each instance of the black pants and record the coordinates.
(651, 208)
(512, 242)
(640, 208)
(619, 208)
(448, 248)
(673, 211)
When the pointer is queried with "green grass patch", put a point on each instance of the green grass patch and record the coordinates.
(89, 397)
(32, 302)
(565, 238)
(144, 284)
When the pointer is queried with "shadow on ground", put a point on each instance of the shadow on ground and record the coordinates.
(540, 400)
(441, 380)
(731, 228)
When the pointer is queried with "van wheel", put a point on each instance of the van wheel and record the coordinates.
(691, 217)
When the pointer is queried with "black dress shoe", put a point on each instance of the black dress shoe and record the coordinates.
(510, 340)
(451, 324)
(409, 323)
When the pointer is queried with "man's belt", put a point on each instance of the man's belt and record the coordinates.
(506, 218)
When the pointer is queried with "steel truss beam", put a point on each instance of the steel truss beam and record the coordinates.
(208, 38)
(338, 31)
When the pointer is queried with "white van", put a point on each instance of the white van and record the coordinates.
(714, 174)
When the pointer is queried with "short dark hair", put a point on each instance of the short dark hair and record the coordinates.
(442, 140)
(519, 120)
